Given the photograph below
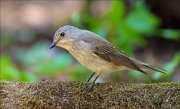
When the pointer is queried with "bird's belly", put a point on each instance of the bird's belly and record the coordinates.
(95, 63)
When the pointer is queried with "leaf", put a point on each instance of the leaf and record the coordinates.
(30, 77)
(141, 20)
(8, 70)
(170, 67)
(79, 73)
(116, 12)
(171, 34)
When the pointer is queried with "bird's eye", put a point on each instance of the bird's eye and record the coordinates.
(62, 34)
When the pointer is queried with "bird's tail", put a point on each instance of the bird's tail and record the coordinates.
(145, 66)
(154, 68)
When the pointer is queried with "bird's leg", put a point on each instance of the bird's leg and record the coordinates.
(90, 87)
(90, 77)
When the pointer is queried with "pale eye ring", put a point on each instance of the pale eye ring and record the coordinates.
(62, 34)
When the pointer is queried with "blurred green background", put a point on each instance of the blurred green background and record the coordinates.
(146, 29)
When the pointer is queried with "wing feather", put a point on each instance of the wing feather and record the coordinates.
(109, 52)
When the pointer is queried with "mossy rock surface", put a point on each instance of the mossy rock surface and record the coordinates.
(71, 95)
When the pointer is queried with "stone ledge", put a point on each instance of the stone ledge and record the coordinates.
(70, 95)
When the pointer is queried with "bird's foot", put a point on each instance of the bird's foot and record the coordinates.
(89, 88)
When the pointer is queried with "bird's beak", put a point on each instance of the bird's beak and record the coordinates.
(52, 45)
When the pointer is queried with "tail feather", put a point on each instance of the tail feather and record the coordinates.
(151, 67)
(142, 65)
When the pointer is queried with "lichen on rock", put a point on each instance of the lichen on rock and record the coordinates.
(71, 95)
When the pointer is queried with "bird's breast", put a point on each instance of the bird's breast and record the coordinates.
(93, 62)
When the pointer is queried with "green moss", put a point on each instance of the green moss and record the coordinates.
(57, 94)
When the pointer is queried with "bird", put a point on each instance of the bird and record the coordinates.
(96, 53)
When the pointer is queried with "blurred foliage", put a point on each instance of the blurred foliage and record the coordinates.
(126, 30)
(78, 73)
(123, 29)
(41, 59)
(170, 34)
(36, 59)
(170, 67)
(10, 72)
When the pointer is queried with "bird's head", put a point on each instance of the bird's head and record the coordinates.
(64, 36)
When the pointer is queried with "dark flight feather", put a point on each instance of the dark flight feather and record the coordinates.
(111, 53)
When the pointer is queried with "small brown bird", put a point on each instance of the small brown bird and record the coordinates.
(96, 53)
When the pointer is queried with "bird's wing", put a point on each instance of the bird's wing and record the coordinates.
(109, 52)
(112, 54)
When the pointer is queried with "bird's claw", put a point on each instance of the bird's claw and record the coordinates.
(89, 88)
